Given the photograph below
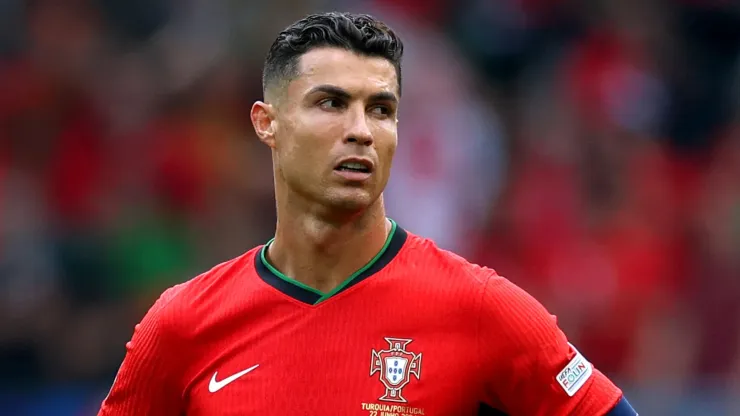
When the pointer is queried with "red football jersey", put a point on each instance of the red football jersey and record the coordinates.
(418, 331)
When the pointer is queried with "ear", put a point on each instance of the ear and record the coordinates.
(263, 120)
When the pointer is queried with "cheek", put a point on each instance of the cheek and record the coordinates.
(385, 156)
(387, 146)
(290, 141)
(302, 155)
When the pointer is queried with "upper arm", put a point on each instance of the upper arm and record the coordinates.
(531, 367)
(147, 382)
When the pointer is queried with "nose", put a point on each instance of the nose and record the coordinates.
(359, 131)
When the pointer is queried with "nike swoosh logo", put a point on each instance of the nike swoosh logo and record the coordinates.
(215, 386)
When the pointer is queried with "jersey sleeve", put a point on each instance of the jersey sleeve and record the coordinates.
(532, 369)
(147, 382)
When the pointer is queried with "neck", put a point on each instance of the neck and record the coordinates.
(323, 252)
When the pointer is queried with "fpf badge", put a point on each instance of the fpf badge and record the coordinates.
(396, 366)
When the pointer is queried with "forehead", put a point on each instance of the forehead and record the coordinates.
(354, 73)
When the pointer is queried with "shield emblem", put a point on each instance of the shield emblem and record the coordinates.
(396, 366)
(395, 370)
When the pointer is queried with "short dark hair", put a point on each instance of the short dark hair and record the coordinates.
(359, 33)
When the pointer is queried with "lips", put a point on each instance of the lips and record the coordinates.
(355, 164)
(354, 170)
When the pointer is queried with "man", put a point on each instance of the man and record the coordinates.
(283, 330)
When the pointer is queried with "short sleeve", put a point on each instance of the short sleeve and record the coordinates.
(147, 382)
(530, 367)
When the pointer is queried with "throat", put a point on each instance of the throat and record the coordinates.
(326, 265)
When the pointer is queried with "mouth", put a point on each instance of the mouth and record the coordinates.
(355, 165)
(354, 170)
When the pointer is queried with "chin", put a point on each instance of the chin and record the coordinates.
(355, 200)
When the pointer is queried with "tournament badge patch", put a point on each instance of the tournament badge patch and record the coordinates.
(395, 367)
(575, 374)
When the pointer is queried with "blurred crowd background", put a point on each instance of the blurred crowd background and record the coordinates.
(589, 150)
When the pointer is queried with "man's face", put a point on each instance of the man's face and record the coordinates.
(336, 128)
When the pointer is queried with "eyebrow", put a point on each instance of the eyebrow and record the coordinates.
(343, 94)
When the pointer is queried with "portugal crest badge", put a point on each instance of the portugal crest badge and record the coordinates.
(396, 366)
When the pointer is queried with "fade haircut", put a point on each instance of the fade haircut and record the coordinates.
(358, 33)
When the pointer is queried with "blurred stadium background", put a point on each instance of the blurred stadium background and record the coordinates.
(589, 150)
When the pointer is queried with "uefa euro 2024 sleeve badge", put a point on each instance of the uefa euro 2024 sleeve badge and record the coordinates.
(396, 366)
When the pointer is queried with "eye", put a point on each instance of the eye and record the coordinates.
(381, 110)
(331, 103)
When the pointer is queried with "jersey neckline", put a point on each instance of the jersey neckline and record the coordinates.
(306, 294)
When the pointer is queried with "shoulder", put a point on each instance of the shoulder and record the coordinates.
(179, 306)
(444, 266)
(502, 306)
(440, 265)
